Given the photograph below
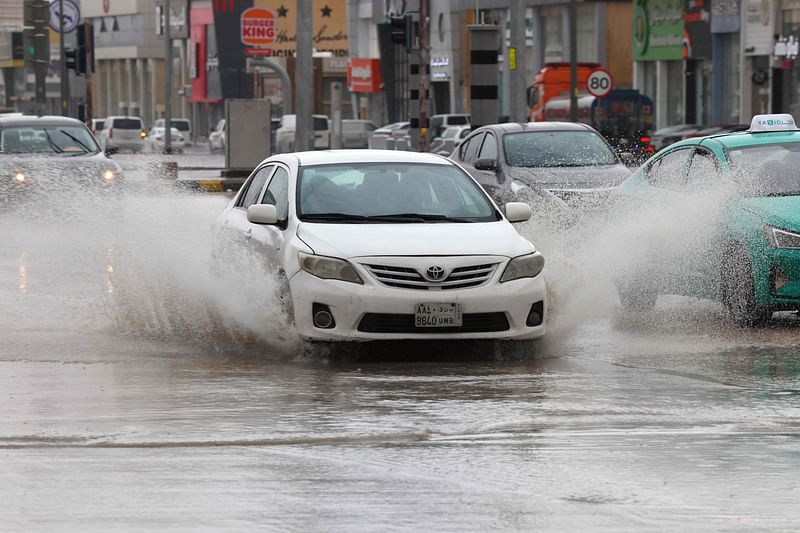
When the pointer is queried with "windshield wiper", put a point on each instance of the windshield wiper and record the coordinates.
(344, 217)
(76, 141)
(403, 218)
(56, 148)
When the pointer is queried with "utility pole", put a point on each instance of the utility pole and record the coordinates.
(168, 76)
(424, 75)
(63, 55)
(518, 109)
(573, 62)
(303, 77)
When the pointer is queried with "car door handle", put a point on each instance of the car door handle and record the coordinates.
(248, 234)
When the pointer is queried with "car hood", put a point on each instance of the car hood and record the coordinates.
(589, 177)
(781, 211)
(360, 240)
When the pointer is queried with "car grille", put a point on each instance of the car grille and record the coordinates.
(404, 323)
(409, 278)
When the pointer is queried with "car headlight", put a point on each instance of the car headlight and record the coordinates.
(109, 175)
(329, 268)
(523, 266)
(20, 177)
(781, 238)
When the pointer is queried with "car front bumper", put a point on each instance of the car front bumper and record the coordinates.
(376, 312)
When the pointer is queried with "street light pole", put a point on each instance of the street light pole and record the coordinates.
(573, 62)
(168, 76)
(64, 71)
(303, 77)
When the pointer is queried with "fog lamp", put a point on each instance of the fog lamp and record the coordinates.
(779, 278)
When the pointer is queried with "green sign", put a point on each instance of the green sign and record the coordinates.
(657, 30)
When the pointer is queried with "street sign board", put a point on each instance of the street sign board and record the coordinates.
(72, 15)
(599, 83)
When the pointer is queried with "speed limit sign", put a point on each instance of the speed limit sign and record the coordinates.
(599, 83)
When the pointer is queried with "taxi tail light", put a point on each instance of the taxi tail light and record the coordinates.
(645, 140)
(651, 148)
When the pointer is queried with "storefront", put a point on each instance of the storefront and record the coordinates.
(658, 51)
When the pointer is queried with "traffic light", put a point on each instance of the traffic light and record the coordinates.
(35, 33)
(81, 55)
(71, 58)
(402, 30)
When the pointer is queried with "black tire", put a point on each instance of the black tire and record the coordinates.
(635, 297)
(739, 291)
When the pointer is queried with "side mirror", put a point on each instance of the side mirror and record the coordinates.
(111, 149)
(262, 214)
(518, 211)
(485, 164)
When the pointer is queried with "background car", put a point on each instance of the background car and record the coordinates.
(377, 245)
(438, 123)
(567, 163)
(216, 139)
(51, 154)
(451, 139)
(321, 125)
(395, 130)
(184, 125)
(356, 133)
(126, 133)
(96, 125)
(155, 141)
(740, 245)
(671, 134)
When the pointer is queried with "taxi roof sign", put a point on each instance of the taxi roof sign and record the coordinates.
(776, 122)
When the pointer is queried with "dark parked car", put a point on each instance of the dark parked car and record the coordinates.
(672, 134)
(563, 162)
(51, 154)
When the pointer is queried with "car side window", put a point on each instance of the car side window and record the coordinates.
(669, 171)
(470, 151)
(703, 168)
(277, 192)
(254, 186)
(488, 148)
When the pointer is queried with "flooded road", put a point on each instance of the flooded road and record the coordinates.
(137, 391)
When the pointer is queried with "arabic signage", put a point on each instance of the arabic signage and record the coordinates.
(757, 27)
(658, 28)
(364, 75)
(725, 16)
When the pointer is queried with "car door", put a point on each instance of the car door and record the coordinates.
(706, 196)
(238, 228)
(489, 178)
(661, 229)
(267, 239)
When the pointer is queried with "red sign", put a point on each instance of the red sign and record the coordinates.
(258, 26)
(364, 75)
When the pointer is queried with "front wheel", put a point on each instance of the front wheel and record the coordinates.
(739, 290)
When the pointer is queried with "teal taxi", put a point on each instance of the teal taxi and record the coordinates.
(748, 255)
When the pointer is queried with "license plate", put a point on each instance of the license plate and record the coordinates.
(437, 315)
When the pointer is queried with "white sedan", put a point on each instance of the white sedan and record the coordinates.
(375, 244)
(155, 140)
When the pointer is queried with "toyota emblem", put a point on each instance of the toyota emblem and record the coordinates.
(435, 273)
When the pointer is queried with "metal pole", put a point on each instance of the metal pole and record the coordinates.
(89, 51)
(517, 108)
(303, 77)
(168, 76)
(573, 62)
(424, 69)
(63, 55)
(336, 114)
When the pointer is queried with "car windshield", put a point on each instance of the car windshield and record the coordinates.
(320, 124)
(390, 193)
(767, 170)
(557, 149)
(62, 140)
(181, 125)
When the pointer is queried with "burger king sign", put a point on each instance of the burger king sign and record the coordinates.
(258, 26)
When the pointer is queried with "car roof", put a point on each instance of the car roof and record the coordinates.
(325, 157)
(516, 127)
(40, 120)
(745, 138)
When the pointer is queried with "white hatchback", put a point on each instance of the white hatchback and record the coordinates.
(375, 244)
